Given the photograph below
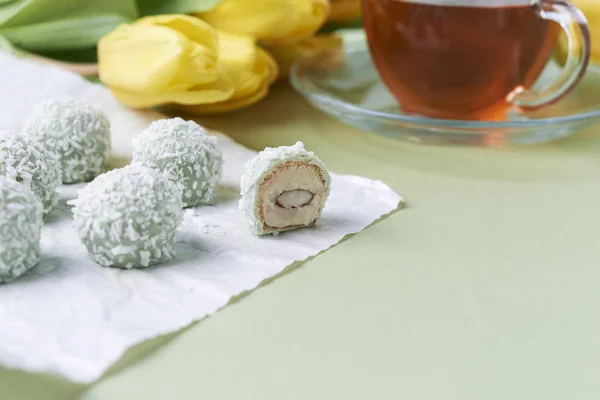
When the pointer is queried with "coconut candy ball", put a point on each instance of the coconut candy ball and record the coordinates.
(24, 161)
(128, 218)
(283, 189)
(20, 229)
(183, 152)
(78, 133)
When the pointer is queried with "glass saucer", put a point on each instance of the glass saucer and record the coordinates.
(345, 85)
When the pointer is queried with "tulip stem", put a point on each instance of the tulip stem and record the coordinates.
(83, 69)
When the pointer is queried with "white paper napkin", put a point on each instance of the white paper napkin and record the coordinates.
(72, 317)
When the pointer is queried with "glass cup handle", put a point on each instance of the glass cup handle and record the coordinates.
(575, 26)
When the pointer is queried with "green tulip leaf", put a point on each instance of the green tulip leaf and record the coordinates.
(6, 45)
(76, 33)
(51, 25)
(156, 7)
(27, 12)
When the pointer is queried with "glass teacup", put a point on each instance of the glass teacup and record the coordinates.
(473, 59)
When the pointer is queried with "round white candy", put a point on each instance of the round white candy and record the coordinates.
(283, 188)
(20, 228)
(24, 161)
(182, 151)
(77, 133)
(128, 218)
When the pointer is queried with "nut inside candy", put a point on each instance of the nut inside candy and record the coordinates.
(294, 198)
(291, 196)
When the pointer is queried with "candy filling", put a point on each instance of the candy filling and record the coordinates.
(292, 195)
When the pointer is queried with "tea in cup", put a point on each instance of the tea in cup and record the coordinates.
(473, 59)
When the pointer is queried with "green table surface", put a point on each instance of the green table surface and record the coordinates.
(485, 286)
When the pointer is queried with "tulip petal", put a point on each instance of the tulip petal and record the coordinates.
(248, 66)
(261, 76)
(238, 58)
(202, 54)
(312, 15)
(195, 69)
(225, 106)
(140, 58)
(268, 66)
(217, 91)
(193, 28)
(287, 54)
(180, 61)
(259, 19)
(158, 54)
(269, 20)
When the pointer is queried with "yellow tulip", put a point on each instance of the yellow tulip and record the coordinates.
(163, 59)
(286, 55)
(591, 9)
(182, 60)
(344, 10)
(274, 21)
(251, 69)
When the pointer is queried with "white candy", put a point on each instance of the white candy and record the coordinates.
(24, 161)
(283, 188)
(183, 152)
(78, 134)
(20, 228)
(128, 217)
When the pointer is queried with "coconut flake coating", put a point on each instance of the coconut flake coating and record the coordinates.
(24, 161)
(77, 133)
(128, 218)
(183, 152)
(20, 229)
(262, 165)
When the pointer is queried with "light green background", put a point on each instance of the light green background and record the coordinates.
(485, 287)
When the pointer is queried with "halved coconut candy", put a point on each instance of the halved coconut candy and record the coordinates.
(283, 188)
